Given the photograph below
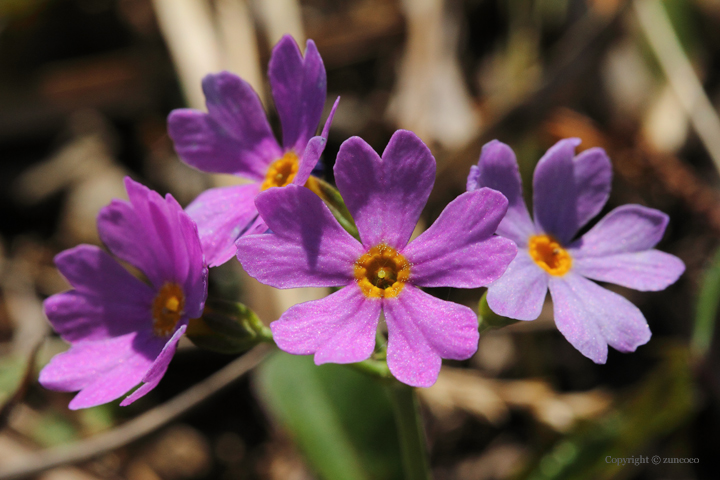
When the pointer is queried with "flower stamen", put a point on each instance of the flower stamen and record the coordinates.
(549, 255)
(282, 171)
(168, 307)
(382, 272)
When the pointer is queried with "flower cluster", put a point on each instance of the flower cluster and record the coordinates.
(123, 331)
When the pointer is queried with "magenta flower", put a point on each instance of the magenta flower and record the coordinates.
(235, 137)
(308, 248)
(568, 191)
(121, 330)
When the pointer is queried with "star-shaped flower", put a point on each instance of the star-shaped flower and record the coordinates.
(235, 137)
(308, 248)
(568, 191)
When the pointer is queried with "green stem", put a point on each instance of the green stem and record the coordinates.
(374, 368)
(410, 431)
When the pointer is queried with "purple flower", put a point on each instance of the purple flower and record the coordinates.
(235, 137)
(568, 191)
(121, 330)
(308, 248)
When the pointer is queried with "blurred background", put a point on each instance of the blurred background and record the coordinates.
(85, 89)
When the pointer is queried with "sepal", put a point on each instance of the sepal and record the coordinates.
(488, 320)
(332, 198)
(227, 327)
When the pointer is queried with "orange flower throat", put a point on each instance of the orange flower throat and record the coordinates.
(168, 307)
(549, 255)
(282, 171)
(382, 272)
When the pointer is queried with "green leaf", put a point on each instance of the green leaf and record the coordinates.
(341, 419)
(706, 309)
(12, 370)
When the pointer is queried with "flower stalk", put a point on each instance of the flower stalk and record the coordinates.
(411, 434)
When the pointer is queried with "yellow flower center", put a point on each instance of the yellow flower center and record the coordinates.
(281, 171)
(547, 252)
(382, 272)
(167, 309)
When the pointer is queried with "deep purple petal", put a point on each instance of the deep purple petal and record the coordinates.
(156, 236)
(308, 247)
(79, 316)
(339, 328)
(195, 284)
(591, 317)
(459, 249)
(158, 368)
(422, 330)
(314, 150)
(520, 292)
(650, 270)
(233, 137)
(555, 193)
(221, 214)
(299, 87)
(498, 169)
(627, 229)
(107, 301)
(593, 180)
(385, 196)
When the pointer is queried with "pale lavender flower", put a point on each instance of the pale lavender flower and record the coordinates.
(121, 330)
(309, 248)
(235, 137)
(568, 191)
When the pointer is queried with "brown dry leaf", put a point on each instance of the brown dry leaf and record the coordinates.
(462, 390)
(180, 453)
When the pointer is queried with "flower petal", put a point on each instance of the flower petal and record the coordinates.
(156, 236)
(554, 191)
(459, 249)
(385, 196)
(314, 150)
(591, 317)
(422, 330)
(498, 169)
(307, 246)
(593, 180)
(221, 215)
(157, 369)
(626, 229)
(299, 87)
(650, 270)
(103, 371)
(234, 137)
(84, 361)
(520, 292)
(107, 301)
(339, 328)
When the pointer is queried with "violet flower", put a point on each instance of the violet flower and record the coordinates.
(235, 137)
(121, 330)
(308, 248)
(568, 191)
